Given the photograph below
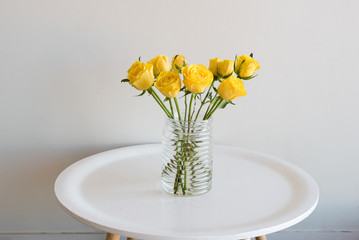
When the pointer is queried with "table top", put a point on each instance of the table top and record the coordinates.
(253, 194)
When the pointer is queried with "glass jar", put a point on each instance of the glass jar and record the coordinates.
(187, 157)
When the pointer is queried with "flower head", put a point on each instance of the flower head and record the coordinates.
(168, 83)
(140, 75)
(213, 65)
(160, 63)
(231, 88)
(196, 77)
(225, 68)
(178, 61)
(246, 66)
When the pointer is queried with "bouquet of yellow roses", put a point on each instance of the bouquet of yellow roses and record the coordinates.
(159, 72)
(204, 91)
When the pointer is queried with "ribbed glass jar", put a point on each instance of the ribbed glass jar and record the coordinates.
(187, 157)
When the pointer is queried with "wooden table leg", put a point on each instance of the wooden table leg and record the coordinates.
(110, 236)
(129, 238)
(261, 237)
(246, 239)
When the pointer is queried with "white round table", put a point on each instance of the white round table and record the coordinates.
(119, 192)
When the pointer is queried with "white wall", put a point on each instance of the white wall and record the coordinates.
(61, 99)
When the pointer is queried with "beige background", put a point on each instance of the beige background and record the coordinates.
(61, 99)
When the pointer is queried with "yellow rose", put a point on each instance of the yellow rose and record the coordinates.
(231, 88)
(178, 60)
(225, 68)
(160, 63)
(246, 66)
(196, 77)
(141, 75)
(168, 83)
(213, 65)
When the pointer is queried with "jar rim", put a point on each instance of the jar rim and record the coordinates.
(198, 121)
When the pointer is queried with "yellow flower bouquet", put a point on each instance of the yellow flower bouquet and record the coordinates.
(187, 146)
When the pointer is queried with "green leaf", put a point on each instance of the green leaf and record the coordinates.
(239, 68)
(249, 78)
(210, 96)
(141, 94)
(150, 90)
(184, 63)
(251, 55)
(187, 92)
(223, 104)
(219, 75)
(225, 77)
(183, 88)
(139, 58)
(178, 68)
(235, 60)
(215, 99)
(125, 80)
(157, 74)
(240, 65)
(166, 99)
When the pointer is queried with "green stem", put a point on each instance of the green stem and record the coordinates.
(211, 106)
(178, 110)
(190, 107)
(215, 108)
(159, 101)
(202, 103)
(187, 143)
(171, 106)
(185, 109)
(185, 180)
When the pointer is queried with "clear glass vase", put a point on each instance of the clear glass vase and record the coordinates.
(187, 157)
